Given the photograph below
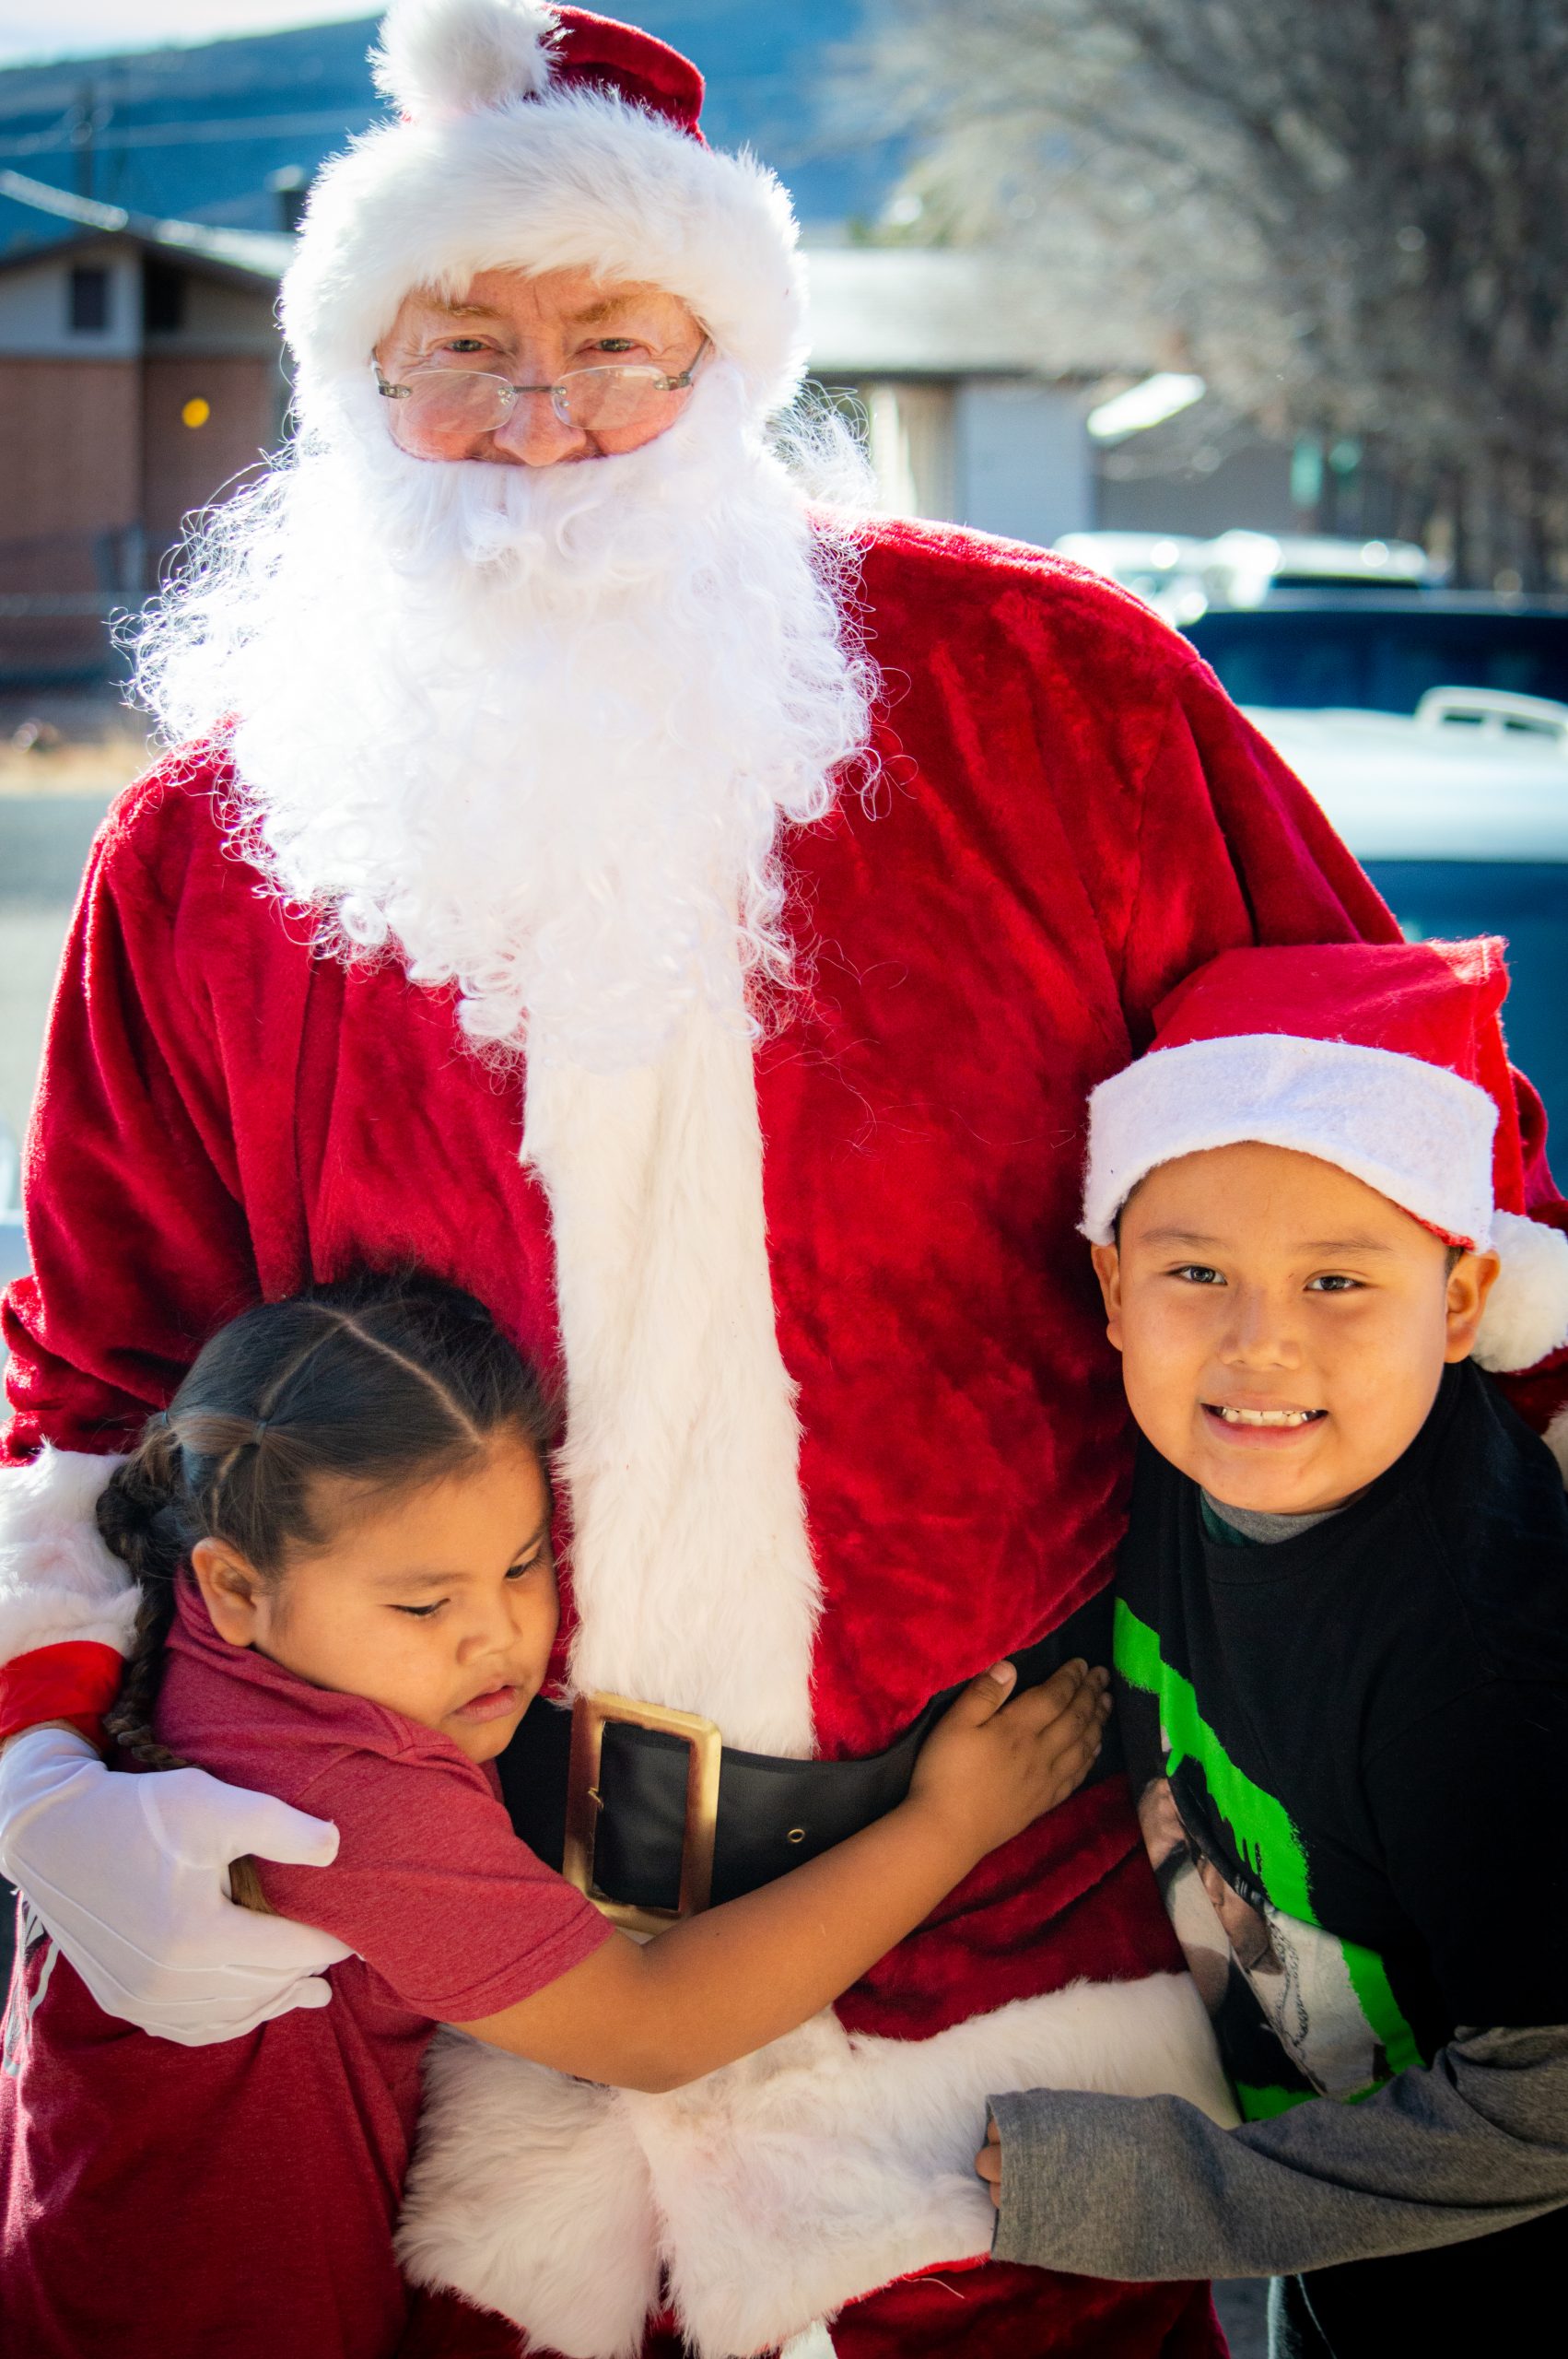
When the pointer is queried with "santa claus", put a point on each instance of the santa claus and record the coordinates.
(692, 919)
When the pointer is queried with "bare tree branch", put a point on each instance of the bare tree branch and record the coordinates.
(1351, 215)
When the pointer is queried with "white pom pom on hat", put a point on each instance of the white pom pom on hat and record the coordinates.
(1525, 1315)
(450, 56)
(1386, 1059)
(538, 138)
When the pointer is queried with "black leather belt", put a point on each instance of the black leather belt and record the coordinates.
(637, 1785)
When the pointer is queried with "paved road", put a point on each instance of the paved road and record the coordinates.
(43, 843)
(31, 937)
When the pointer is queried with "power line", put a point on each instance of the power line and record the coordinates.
(200, 131)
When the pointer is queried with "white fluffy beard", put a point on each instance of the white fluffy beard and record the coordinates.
(536, 730)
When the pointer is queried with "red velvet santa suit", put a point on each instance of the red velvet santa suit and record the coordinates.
(1069, 818)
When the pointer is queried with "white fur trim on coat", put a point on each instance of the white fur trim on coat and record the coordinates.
(691, 1571)
(58, 1581)
(1413, 1131)
(575, 180)
(509, 2155)
(777, 2189)
(813, 2342)
(1527, 1312)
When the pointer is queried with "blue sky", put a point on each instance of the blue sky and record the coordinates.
(174, 140)
(30, 29)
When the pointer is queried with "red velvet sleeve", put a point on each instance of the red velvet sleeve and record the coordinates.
(138, 1244)
(1232, 847)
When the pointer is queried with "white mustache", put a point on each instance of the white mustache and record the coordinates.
(537, 728)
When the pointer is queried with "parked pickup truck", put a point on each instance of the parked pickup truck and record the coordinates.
(1459, 814)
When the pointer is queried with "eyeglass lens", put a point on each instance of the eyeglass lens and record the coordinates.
(451, 405)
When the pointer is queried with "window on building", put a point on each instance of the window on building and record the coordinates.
(163, 299)
(90, 299)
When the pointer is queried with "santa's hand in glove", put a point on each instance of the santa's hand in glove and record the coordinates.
(129, 1876)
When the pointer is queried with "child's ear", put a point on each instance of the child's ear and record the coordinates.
(1107, 1269)
(1470, 1282)
(230, 1588)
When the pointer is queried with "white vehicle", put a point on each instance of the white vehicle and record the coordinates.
(1164, 568)
(1182, 577)
(1474, 774)
(1459, 815)
(1243, 569)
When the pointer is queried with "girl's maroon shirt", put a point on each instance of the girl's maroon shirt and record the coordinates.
(241, 2199)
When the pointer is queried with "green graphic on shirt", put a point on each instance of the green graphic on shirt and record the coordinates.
(1267, 2105)
(1265, 1834)
(1369, 1980)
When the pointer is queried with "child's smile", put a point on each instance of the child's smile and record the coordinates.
(1282, 1326)
(1244, 1425)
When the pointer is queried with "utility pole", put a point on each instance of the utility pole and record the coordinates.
(81, 139)
(87, 119)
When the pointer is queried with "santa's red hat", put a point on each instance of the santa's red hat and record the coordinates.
(540, 138)
(1386, 1059)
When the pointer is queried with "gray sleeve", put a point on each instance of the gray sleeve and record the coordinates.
(1147, 2187)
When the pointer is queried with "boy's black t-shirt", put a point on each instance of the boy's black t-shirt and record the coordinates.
(1349, 1750)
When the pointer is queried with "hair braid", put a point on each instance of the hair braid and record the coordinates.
(138, 1517)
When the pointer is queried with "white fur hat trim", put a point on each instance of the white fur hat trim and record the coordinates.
(1415, 1132)
(489, 176)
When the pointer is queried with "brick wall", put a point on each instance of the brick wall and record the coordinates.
(101, 469)
(183, 466)
(72, 434)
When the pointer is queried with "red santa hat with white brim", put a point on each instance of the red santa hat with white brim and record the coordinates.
(1386, 1059)
(539, 138)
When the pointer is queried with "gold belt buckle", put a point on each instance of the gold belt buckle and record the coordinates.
(590, 1716)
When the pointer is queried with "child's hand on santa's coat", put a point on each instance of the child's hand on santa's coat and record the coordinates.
(990, 1767)
(726, 1980)
(987, 2161)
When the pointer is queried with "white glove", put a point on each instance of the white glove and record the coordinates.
(129, 1876)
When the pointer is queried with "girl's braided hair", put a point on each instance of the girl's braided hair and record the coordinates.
(384, 1379)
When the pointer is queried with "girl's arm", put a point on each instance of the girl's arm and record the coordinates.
(720, 1985)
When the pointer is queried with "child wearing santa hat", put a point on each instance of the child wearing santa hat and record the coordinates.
(1341, 1657)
